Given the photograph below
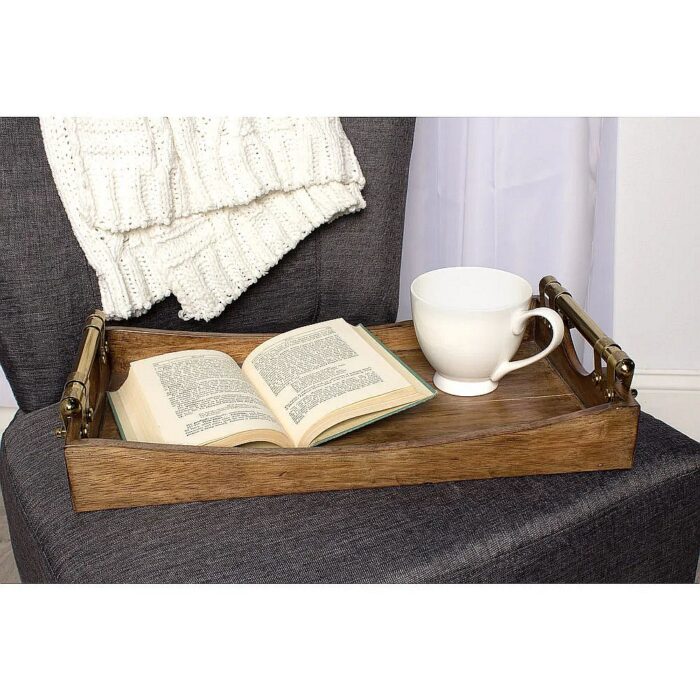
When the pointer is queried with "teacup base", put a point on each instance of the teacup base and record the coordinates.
(462, 387)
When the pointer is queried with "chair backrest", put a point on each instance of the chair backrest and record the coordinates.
(347, 268)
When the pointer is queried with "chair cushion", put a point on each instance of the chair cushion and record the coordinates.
(641, 525)
(347, 268)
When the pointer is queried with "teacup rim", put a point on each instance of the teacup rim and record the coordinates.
(505, 307)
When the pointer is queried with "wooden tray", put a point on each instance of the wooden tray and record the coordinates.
(547, 418)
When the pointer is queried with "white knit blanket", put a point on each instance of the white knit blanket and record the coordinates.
(197, 207)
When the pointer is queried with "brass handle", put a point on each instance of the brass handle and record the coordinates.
(619, 365)
(83, 393)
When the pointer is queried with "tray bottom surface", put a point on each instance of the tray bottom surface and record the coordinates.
(531, 394)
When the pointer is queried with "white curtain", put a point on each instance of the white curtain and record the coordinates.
(534, 196)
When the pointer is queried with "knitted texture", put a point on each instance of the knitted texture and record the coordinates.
(197, 207)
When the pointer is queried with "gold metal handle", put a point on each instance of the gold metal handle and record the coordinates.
(83, 397)
(619, 366)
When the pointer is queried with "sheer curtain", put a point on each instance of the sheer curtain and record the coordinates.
(531, 195)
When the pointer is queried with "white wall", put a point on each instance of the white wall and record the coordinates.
(657, 260)
(6, 397)
(6, 400)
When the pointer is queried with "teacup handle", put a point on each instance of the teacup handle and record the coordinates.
(518, 324)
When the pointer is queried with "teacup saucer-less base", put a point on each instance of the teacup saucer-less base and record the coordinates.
(464, 388)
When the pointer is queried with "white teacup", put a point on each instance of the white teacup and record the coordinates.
(469, 322)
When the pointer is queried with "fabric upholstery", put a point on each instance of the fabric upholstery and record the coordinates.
(348, 268)
(641, 525)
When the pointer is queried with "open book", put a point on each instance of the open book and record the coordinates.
(297, 389)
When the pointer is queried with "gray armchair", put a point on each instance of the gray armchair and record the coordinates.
(641, 525)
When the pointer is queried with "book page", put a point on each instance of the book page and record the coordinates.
(200, 396)
(305, 374)
(421, 392)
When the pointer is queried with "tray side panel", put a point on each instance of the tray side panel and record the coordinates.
(130, 344)
(105, 474)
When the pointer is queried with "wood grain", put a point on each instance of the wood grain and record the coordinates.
(112, 474)
(546, 418)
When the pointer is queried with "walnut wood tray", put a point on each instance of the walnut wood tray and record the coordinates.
(547, 418)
